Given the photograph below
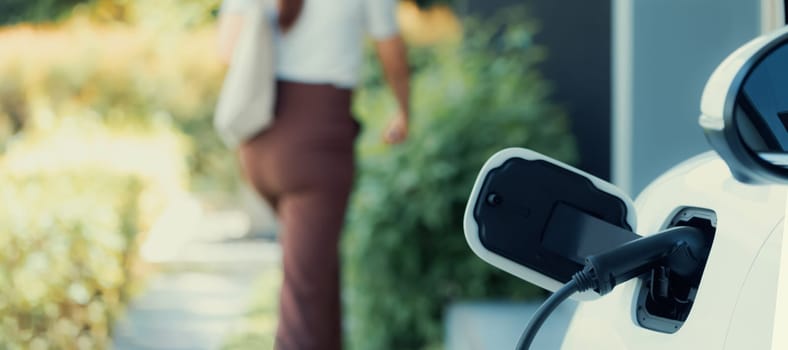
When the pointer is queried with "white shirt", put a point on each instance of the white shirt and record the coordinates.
(325, 46)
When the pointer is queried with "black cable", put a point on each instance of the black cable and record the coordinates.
(545, 310)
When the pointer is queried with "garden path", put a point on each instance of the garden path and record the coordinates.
(203, 284)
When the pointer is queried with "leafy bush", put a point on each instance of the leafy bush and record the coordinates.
(65, 255)
(181, 12)
(93, 119)
(13, 11)
(174, 12)
(117, 74)
(73, 198)
(405, 255)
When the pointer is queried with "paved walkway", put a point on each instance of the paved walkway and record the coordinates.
(193, 305)
(203, 287)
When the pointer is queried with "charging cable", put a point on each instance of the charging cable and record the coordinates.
(682, 249)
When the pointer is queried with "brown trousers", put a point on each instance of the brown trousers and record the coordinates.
(303, 165)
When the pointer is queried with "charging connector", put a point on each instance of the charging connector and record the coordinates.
(664, 300)
(682, 250)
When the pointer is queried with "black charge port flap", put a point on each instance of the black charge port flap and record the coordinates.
(547, 218)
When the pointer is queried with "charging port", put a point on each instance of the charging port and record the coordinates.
(664, 298)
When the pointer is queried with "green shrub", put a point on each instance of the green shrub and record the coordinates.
(405, 256)
(14, 11)
(118, 74)
(76, 197)
(66, 251)
(174, 12)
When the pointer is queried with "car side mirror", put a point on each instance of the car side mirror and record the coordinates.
(744, 110)
(538, 218)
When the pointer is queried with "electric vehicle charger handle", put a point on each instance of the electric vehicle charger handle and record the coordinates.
(682, 249)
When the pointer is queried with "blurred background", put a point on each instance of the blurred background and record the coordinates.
(124, 222)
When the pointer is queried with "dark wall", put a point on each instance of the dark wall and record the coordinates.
(577, 36)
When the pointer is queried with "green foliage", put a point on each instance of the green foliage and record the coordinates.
(14, 11)
(92, 123)
(173, 13)
(74, 196)
(130, 75)
(160, 64)
(189, 12)
(405, 256)
(66, 248)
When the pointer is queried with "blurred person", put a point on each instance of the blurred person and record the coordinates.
(303, 163)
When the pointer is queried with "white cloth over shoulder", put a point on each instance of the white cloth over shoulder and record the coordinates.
(325, 46)
(246, 103)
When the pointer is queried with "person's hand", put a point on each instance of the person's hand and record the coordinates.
(397, 130)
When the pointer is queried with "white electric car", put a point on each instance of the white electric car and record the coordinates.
(694, 263)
